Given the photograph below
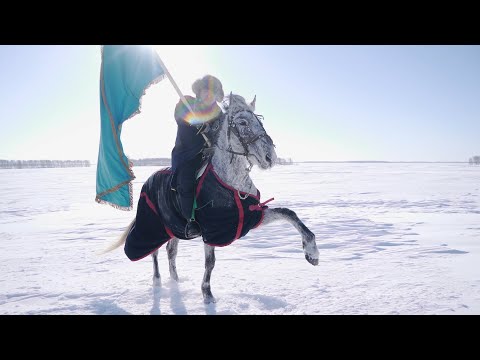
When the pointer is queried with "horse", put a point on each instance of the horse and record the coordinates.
(227, 201)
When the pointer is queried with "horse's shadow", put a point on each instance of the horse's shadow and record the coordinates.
(107, 307)
(157, 295)
(176, 301)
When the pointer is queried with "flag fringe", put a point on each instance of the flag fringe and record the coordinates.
(150, 84)
(130, 192)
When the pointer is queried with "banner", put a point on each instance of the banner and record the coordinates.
(126, 72)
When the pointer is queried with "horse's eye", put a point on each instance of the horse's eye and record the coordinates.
(243, 122)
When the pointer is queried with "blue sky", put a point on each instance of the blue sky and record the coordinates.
(338, 103)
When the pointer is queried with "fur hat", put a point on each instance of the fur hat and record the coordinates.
(211, 83)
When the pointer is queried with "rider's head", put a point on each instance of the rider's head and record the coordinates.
(208, 89)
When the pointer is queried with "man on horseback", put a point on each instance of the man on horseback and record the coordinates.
(189, 143)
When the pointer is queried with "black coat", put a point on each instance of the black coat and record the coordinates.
(188, 142)
(224, 214)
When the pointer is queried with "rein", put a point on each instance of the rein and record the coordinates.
(244, 140)
(233, 129)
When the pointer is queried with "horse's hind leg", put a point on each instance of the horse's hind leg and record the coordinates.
(209, 265)
(172, 248)
(308, 238)
(156, 273)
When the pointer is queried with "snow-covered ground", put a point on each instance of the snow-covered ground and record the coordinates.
(394, 238)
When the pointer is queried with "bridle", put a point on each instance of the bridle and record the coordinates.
(248, 137)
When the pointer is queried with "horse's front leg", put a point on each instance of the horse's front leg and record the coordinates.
(209, 265)
(308, 238)
(156, 273)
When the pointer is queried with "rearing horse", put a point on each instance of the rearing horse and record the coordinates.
(227, 201)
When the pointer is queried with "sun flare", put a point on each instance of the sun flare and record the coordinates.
(185, 63)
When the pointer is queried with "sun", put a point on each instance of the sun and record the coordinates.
(185, 63)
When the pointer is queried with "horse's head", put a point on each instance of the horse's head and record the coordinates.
(245, 134)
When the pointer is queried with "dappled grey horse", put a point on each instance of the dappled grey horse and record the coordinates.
(227, 202)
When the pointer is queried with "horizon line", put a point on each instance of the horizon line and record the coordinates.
(293, 161)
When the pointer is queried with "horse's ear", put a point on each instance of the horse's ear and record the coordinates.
(252, 104)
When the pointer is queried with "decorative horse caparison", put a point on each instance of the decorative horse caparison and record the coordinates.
(227, 201)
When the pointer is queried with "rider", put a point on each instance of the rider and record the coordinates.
(187, 152)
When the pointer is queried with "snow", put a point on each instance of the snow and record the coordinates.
(394, 238)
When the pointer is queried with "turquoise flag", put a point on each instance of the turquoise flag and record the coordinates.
(126, 72)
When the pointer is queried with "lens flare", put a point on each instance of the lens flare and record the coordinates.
(202, 113)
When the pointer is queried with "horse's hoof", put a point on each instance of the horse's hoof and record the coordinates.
(313, 261)
(157, 282)
(208, 297)
(209, 300)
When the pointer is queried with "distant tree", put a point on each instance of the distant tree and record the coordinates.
(31, 164)
(476, 160)
(284, 161)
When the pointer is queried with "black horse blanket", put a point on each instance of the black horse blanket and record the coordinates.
(223, 213)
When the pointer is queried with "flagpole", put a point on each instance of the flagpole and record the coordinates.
(179, 92)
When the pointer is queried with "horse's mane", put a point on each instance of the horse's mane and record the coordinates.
(236, 100)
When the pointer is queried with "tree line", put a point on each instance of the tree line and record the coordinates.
(30, 164)
(283, 161)
(474, 160)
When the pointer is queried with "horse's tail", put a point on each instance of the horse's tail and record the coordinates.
(120, 241)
